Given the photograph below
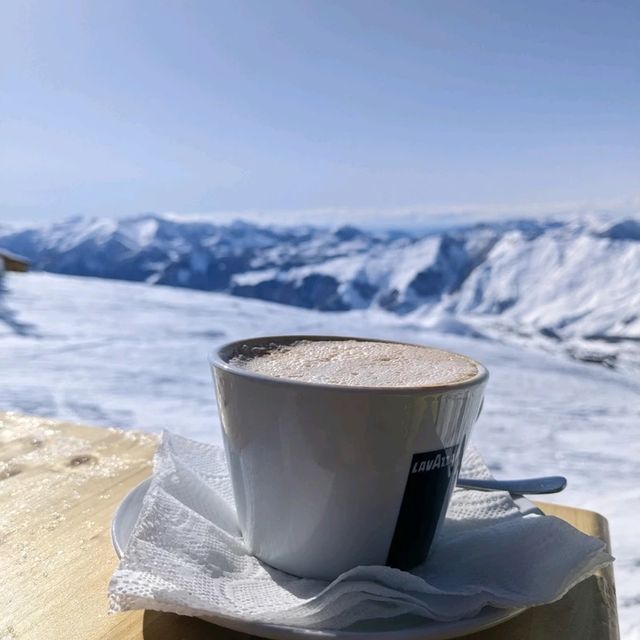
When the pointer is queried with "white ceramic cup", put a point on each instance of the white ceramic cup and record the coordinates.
(329, 477)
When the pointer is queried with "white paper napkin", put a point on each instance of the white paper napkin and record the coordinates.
(186, 555)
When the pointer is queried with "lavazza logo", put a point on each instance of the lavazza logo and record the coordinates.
(445, 458)
(428, 483)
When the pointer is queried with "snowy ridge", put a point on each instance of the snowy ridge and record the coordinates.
(575, 282)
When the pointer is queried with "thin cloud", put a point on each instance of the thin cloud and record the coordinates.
(419, 215)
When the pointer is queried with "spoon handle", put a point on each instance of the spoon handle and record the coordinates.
(548, 484)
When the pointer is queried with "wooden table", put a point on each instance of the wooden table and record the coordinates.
(59, 486)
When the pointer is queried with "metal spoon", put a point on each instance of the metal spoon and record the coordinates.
(548, 484)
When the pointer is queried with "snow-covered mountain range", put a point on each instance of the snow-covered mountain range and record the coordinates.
(576, 282)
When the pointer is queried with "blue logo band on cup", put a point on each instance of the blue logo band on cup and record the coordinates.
(431, 479)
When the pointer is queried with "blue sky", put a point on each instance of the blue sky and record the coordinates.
(112, 108)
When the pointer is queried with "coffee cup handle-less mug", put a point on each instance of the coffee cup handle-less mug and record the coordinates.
(328, 477)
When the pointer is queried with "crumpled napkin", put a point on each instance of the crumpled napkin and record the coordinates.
(187, 555)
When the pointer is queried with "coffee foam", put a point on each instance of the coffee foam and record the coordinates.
(360, 364)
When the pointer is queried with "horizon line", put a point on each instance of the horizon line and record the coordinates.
(415, 216)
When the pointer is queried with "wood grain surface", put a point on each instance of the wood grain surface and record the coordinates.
(59, 486)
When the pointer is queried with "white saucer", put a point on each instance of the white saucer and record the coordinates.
(399, 628)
